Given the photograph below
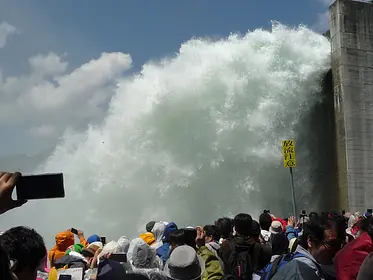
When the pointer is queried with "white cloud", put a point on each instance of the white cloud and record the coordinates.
(322, 23)
(322, 20)
(50, 99)
(6, 30)
(43, 130)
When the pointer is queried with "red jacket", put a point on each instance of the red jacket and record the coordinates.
(283, 223)
(348, 260)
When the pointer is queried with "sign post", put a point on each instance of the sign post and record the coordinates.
(288, 152)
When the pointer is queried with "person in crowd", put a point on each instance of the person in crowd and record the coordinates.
(366, 269)
(265, 221)
(149, 226)
(27, 248)
(321, 240)
(245, 245)
(92, 238)
(275, 228)
(225, 228)
(184, 263)
(64, 240)
(213, 267)
(280, 245)
(291, 231)
(212, 237)
(7, 266)
(158, 231)
(349, 259)
(176, 238)
(124, 244)
(148, 237)
(164, 251)
(255, 232)
(144, 260)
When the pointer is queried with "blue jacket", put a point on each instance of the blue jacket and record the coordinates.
(292, 232)
(164, 252)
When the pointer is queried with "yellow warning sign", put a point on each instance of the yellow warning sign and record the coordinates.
(288, 151)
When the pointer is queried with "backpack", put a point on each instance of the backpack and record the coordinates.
(271, 269)
(242, 261)
(64, 263)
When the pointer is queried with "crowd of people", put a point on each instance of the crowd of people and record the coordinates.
(328, 245)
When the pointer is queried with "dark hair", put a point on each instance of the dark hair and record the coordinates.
(225, 227)
(280, 244)
(255, 230)
(242, 224)
(177, 237)
(212, 230)
(313, 215)
(149, 226)
(24, 245)
(190, 237)
(265, 221)
(315, 229)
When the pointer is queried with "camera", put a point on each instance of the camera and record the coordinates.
(303, 214)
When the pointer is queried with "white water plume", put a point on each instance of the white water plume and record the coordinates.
(192, 137)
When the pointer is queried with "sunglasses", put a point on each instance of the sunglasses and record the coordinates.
(12, 265)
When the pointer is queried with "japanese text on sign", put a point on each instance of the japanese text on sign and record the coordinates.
(288, 151)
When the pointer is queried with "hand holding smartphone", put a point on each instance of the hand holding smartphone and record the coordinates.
(74, 231)
(42, 186)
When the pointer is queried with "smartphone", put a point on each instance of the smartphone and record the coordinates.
(304, 212)
(74, 230)
(103, 240)
(119, 258)
(370, 211)
(65, 277)
(40, 186)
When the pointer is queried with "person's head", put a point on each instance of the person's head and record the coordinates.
(255, 231)
(313, 215)
(242, 224)
(169, 228)
(323, 237)
(265, 221)
(225, 227)
(211, 233)
(184, 263)
(280, 244)
(143, 256)
(93, 238)
(27, 247)
(176, 238)
(149, 226)
(64, 240)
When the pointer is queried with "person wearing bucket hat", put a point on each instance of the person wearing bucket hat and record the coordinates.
(276, 227)
(184, 264)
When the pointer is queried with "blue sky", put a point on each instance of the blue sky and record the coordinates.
(146, 29)
(63, 35)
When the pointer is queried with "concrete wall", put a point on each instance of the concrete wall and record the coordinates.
(352, 65)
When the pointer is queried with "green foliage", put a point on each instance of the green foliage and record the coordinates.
(327, 34)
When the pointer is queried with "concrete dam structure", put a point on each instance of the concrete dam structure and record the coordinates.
(351, 32)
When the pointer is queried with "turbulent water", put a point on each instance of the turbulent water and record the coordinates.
(193, 137)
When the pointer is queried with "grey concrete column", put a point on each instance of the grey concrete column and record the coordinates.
(352, 65)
